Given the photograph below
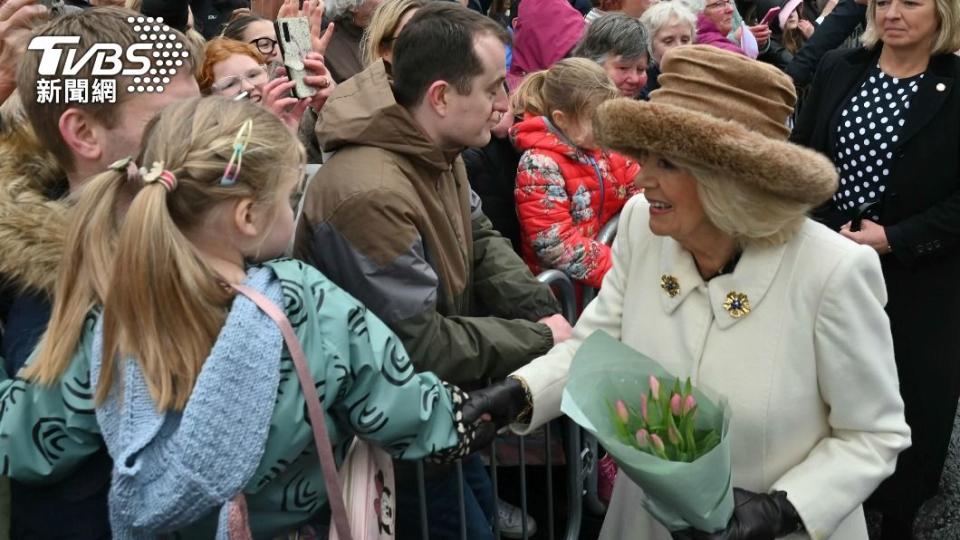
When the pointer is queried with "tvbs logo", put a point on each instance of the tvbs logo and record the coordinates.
(108, 58)
(147, 64)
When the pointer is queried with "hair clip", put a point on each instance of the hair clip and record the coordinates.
(128, 166)
(159, 174)
(232, 171)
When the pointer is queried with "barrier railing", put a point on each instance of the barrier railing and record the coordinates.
(591, 495)
(579, 462)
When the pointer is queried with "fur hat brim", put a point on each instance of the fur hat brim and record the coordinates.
(778, 167)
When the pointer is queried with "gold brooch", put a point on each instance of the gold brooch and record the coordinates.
(737, 304)
(670, 285)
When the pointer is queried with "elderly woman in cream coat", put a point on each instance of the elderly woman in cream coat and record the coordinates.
(719, 276)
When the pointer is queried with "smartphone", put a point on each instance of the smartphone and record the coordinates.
(293, 36)
(771, 13)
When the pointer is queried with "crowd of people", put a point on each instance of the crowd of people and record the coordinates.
(786, 175)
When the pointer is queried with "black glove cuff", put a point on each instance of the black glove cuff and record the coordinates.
(526, 413)
(790, 521)
(465, 432)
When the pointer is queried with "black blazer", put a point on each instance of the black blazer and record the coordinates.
(836, 28)
(920, 208)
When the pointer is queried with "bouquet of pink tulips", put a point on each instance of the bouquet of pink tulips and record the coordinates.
(669, 439)
(665, 424)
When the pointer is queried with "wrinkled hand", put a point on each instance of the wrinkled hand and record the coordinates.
(762, 32)
(17, 17)
(756, 516)
(321, 79)
(500, 402)
(870, 234)
(288, 108)
(313, 11)
(289, 8)
(806, 28)
(559, 327)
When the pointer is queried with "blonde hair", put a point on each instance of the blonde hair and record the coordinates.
(162, 304)
(573, 86)
(378, 37)
(947, 39)
(750, 216)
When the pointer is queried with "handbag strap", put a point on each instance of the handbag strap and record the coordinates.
(338, 511)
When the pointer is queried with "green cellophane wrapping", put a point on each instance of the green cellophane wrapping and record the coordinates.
(679, 495)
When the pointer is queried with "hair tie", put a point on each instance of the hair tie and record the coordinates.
(158, 174)
(232, 170)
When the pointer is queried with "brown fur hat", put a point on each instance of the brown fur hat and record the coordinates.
(726, 113)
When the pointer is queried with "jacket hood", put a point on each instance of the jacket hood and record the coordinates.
(33, 214)
(535, 133)
(545, 31)
(363, 111)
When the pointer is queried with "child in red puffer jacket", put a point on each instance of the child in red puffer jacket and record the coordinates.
(567, 188)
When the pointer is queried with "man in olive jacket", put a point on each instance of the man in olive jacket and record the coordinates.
(391, 219)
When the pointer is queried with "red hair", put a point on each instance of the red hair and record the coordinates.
(218, 50)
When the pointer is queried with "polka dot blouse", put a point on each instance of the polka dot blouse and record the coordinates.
(867, 132)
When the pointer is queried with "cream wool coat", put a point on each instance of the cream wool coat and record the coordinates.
(809, 372)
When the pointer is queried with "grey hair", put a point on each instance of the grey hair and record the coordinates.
(660, 15)
(613, 34)
(696, 6)
(337, 9)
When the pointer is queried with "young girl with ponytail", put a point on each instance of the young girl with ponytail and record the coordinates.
(190, 384)
(567, 187)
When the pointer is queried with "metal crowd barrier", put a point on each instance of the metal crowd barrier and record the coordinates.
(591, 497)
(579, 462)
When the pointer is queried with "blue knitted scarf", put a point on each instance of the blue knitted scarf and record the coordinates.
(171, 469)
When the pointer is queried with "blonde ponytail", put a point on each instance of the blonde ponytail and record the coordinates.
(528, 98)
(83, 277)
(574, 86)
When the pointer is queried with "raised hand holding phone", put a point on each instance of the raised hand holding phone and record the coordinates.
(293, 36)
(771, 13)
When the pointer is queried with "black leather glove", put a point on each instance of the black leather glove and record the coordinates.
(756, 516)
(472, 433)
(504, 401)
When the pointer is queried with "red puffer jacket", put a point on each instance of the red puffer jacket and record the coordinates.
(564, 197)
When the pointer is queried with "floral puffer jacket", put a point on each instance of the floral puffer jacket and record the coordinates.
(565, 195)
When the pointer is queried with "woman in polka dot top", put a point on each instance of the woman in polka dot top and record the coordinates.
(888, 114)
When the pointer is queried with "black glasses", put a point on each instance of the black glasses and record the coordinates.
(265, 45)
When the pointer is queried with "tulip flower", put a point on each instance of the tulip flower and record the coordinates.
(689, 404)
(675, 407)
(655, 387)
(622, 412)
(643, 438)
(643, 408)
(657, 443)
(673, 435)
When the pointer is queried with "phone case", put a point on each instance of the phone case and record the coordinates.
(293, 36)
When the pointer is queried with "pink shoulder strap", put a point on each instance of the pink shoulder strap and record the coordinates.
(331, 478)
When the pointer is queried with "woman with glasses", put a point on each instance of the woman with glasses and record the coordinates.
(238, 70)
(249, 28)
(714, 24)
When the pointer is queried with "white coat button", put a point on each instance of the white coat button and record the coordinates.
(941, 87)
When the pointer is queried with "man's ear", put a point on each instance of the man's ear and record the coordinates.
(437, 95)
(79, 133)
(244, 219)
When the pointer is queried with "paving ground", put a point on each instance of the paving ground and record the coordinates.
(940, 517)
